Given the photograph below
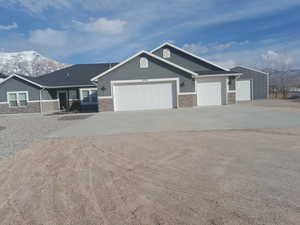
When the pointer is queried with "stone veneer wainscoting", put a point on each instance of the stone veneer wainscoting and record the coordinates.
(231, 97)
(105, 104)
(32, 107)
(185, 101)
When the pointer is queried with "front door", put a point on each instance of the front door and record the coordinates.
(63, 101)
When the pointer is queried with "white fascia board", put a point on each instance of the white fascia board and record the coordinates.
(22, 78)
(70, 86)
(190, 54)
(217, 75)
(256, 70)
(149, 54)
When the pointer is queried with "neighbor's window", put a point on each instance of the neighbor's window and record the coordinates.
(144, 62)
(88, 96)
(17, 99)
(166, 53)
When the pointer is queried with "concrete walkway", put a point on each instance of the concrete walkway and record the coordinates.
(241, 116)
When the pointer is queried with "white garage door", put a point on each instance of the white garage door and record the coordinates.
(243, 90)
(209, 93)
(144, 96)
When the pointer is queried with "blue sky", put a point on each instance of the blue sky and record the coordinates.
(228, 32)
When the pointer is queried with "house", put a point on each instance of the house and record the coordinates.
(166, 77)
(61, 90)
(253, 84)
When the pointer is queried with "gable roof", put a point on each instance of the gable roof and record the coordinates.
(149, 54)
(249, 69)
(30, 80)
(74, 76)
(190, 54)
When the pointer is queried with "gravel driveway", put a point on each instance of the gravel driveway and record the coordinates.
(18, 131)
(260, 114)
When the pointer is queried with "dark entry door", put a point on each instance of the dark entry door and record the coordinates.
(63, 103)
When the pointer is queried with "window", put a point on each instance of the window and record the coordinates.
(144, 62)
(89, 96)
(17, 99)
(166, 53)
(73, 95)
(231, 84)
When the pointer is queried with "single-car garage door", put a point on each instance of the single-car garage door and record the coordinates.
(144, 96)
(209, 93)
(243, 90)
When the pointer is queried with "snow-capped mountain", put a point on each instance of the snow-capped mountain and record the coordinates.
(28, 63)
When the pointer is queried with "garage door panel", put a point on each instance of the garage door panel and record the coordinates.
(144, 96)
(209, 93)
(243, 90)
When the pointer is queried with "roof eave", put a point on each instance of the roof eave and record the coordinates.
(191, 54)
(217, 75)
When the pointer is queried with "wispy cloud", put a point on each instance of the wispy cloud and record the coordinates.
(9, 27)
(101, 26)
(199, 48)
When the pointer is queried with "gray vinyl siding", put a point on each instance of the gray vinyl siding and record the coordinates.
(132, 71)
(259, 80)
(186, 61)
(16, 84)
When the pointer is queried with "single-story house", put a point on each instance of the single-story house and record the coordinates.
(252, 84)
(166, 77)
(61, 90)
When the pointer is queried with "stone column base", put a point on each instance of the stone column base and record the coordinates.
(106, 104)
(187, 101)
(231, 96)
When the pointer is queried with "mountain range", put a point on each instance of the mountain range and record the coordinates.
(28, 63)
(31, 63)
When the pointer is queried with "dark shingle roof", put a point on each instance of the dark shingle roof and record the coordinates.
(76, 75)
(215, 72)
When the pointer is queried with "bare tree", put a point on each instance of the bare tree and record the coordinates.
(279, 66)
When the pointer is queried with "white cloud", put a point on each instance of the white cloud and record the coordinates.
(48, 37)
(199, 48)
(9, 27)
(101, 26)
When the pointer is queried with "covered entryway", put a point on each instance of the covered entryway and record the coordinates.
(243, 90)
(209, 93)
(144, 95)
(63, 100)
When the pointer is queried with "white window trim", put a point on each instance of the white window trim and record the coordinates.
(144, 60)
(18, 101)
(90, 96)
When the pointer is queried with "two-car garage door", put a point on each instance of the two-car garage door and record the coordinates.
(144, 96)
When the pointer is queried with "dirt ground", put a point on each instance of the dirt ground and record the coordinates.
(209, 177)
